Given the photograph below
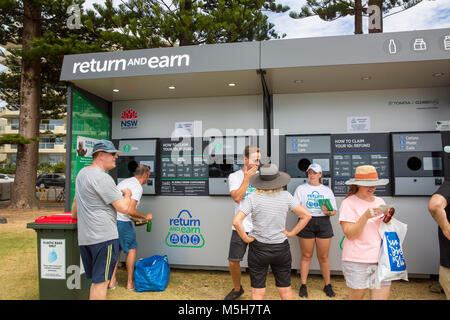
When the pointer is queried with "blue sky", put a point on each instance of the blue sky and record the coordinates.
(429, 14)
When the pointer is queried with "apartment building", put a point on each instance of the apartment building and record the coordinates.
(52, 143)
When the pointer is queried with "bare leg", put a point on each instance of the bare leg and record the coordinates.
(258, 293)
(285, 293)
(323, 248)
(113, 281)
(356, 294)
(131, 261)
(235, 270)
(307, 247)
(98, 291)
(380, 294)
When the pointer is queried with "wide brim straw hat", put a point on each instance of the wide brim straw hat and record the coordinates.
(367, 176)
(269, 177)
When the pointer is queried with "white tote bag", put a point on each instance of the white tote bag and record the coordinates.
(391, 263)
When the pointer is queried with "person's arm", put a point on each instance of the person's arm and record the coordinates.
(237, 223)
(436, 206)
(304, 216)
(132, 212)
(239, 193)
(353, 230)
(123, 203)
(74, 208)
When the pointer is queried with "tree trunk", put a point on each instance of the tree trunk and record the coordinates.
(24, 188)
(358, 17)
(376, 17)
(186, 37)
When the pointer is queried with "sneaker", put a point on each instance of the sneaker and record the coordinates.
(303, 292)
(233, 295)
(329, 290)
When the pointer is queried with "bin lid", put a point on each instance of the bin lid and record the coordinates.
(65, 217)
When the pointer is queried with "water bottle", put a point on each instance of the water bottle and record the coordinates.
(149, 225)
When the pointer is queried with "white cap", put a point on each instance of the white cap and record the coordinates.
(315, 167)
(447, 149)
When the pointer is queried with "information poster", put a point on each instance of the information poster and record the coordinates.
(184, 170)
(89, 124)
(53, 259)
(352, 150)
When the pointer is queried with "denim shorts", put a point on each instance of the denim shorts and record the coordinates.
(362, 275)
(127, 236)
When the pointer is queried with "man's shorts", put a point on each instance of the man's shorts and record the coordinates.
(278, 256)
(317, 227)
(100, 259)
(127, 236)
(237, 247)
(362, 275)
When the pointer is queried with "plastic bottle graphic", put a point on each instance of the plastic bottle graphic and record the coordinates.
(392, 47)
(52, 256)
(447, 43)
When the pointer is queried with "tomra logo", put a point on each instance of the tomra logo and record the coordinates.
(184, 231)
(129, 119)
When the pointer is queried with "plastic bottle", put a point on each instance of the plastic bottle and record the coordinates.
(149, 225)
(392, 47)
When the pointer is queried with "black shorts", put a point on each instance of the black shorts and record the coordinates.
(317, 227)
(278, 256)
(237, 247)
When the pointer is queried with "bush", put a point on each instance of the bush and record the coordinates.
(9, 169)
(60, 167)
(45, 167)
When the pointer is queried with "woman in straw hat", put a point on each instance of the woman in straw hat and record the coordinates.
(360, 218)
(268, 207)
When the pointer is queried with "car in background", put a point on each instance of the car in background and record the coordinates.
(47, 180)
(5, 178)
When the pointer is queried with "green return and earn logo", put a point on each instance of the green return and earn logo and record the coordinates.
(184, 232)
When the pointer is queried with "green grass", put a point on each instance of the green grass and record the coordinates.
(18, 265)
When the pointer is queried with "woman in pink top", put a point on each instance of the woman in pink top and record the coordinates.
(360, 218)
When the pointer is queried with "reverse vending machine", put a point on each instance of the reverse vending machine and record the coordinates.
(225, 155)
(418, 165)
(135, 152)
(301, 151)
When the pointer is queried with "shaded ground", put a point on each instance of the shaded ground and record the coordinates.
(19, 273)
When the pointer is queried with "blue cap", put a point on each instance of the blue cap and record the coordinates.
(105, 146)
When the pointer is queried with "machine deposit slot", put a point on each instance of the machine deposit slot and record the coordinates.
(414, 163)
(303, 164)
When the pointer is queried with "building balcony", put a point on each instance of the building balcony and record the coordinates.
(55, 129)
(43, 148)
(5, 113)
(9, 129)
(14, 129)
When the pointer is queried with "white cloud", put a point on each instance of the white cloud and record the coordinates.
(429, 14)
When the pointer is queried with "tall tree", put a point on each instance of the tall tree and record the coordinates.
(149, 23)
(330, 10)
(37, 37)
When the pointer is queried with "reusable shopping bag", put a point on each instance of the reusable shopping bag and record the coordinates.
(391, 263)
(152, 273)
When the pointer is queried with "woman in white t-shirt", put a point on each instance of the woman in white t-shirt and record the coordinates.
(319, 230)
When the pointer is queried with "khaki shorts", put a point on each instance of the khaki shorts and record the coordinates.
(362, 275)
(444, 280)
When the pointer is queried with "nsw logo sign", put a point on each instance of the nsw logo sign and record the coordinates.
(129, 119)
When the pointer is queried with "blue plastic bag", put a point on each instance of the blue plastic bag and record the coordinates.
(152, 273)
